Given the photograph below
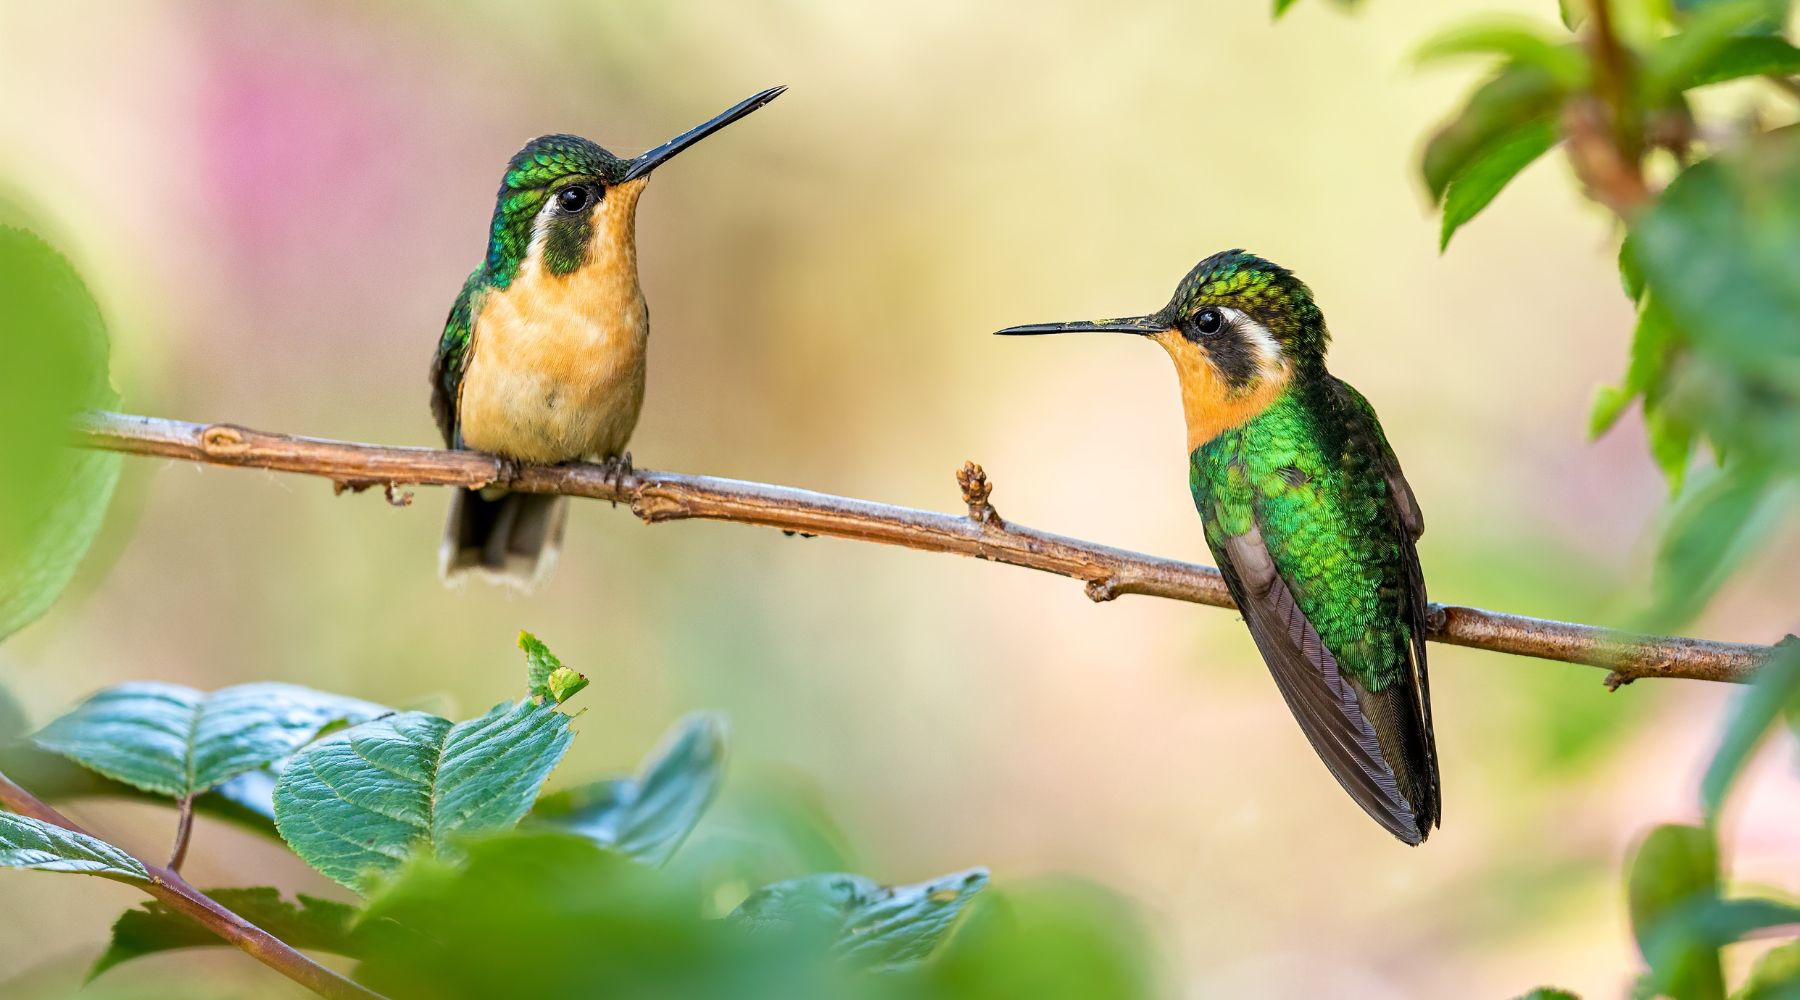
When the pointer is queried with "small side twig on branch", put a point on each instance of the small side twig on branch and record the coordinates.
(666, 496)
(173, 891)
(184, 829)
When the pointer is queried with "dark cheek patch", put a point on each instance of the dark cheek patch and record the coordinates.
(1234, 357)
(566, 243)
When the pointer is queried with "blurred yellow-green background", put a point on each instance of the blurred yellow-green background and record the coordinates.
(276, 205)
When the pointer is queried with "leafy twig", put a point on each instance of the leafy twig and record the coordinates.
(666, 496)
(184, 828)
(1604, 136)
(174, 891)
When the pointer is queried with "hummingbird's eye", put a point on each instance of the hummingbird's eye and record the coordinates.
(1207, 322)
(573, 199)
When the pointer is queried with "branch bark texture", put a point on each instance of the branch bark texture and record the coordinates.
(665, 496)
(174, 891)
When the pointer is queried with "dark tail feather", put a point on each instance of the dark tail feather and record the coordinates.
(510, 538)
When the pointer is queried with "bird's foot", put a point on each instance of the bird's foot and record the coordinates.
(506, 471)
(616, 469)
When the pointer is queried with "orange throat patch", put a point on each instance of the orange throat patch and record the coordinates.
(1210, 404)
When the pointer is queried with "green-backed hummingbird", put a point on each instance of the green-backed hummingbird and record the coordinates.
(1311, 522)
(542, 358)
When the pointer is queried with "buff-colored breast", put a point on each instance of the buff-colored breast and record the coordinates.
(556, 369)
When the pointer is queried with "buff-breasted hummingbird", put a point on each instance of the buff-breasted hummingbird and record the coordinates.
(542, 358)
(1311, 522)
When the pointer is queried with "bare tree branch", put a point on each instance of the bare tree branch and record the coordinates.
(666, 496)
(174, 892)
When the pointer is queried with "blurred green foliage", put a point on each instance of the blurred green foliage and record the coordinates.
(1713, 262)
(52, 497)
(421, 813)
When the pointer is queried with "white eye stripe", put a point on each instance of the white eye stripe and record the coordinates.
(1268, 350)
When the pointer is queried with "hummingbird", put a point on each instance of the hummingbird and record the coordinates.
(1311, 522)
(542, 357)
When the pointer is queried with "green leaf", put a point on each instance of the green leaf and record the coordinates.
(31, 843)
(1516, 98)
(1772, 15)
(868, 924)
(1609, 405)
(357, 804)
(1631, 275)
(1777, 690)
(1572, 12)
(1470, 191)
(1653, 346)
(1720, 248)
(52, 497)
(1281, 6)
(1775, 976)
(536, 914)
(1747, 55)
(1053, 940)
(563, 684)
(1548, 993)
(545, 675)
(55, 778)
(311, 924)
(648, 818)
(1677, 62)
(1671, 445)
(1700, 927)
(540, 663)
(179, 742)
(1675, 867)
(1519, 40)
(1709, 533)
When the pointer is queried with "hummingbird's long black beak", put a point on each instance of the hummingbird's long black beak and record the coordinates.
(657, 157)
(1143, 326)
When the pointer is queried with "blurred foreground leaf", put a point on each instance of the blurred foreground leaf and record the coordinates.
(1721, 249)
(53, 364)
(1699, 50)
(648, 817)
(179, 742)
(1517, 101)
(534, 913)
(868, 924)
(1709, 532)
(1776, 691)
(1676, 868)
(1547, 993)
(1776, 975)
(1702, 926)
(310, 923)
(551, 914)
(1056, 940)
(1518, 40)
(31, 843)
(1747, 55)
(1483, 179)
(359, 803)
(1653, 344)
